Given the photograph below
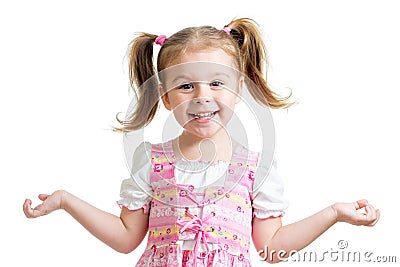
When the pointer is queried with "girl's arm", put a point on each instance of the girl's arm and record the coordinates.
(270, 237)
(123, 233)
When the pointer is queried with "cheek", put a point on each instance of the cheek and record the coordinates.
(179, 108)
(227, 107)
(176, 100)
(228, 101)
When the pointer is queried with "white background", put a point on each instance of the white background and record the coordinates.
(63, 79)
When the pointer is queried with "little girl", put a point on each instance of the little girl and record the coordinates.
(201, 196)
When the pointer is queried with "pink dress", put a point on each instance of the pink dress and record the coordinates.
(192, 226)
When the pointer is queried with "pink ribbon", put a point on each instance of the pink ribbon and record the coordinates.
(227, 30)
(160, 39)
(195, 225)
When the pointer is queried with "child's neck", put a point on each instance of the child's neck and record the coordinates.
(190, 147)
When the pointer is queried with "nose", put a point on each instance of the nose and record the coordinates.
(201, 100)
(202, 94)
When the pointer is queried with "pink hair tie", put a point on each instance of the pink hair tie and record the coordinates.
(160, 39)
(227, 30)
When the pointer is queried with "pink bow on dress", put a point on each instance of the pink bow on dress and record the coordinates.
(195, 225)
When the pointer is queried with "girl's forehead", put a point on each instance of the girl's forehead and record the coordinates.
(202, 65)
(217, 56)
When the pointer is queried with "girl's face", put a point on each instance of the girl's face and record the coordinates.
(202, 90)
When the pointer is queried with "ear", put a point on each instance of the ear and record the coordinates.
(164, 97)
(239, 90)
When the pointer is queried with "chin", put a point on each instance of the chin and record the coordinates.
(203, 133)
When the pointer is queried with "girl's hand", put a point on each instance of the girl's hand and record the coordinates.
(50, 203)
(350, 213)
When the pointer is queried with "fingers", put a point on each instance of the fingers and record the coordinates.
(26, 207)
(362, 213)
(378, 215)
(372, 215)
(29, 211)
(360, 204)
(33, 212)
(43, 197)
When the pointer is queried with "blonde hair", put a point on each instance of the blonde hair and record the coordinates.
(244, 44)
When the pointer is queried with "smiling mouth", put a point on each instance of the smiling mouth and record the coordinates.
(203, 116)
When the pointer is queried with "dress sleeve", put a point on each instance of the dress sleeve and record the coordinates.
(136, 191)
(268, 200)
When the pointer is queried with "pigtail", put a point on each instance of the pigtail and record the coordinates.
(144, 83)
(254, 60)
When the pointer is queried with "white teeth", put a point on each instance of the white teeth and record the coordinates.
(202, 115)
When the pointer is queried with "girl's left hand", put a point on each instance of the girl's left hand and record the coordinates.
(350, 213)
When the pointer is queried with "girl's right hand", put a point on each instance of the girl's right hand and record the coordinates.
(50, 203)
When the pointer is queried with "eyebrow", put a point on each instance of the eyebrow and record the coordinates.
(184, 77)
(187, 77)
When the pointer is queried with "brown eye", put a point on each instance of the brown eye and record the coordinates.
(186, 86)
(216, 84)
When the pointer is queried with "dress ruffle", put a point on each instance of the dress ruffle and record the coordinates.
(174, 256)
(132, 198)
(264, 214)
(134, 205)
